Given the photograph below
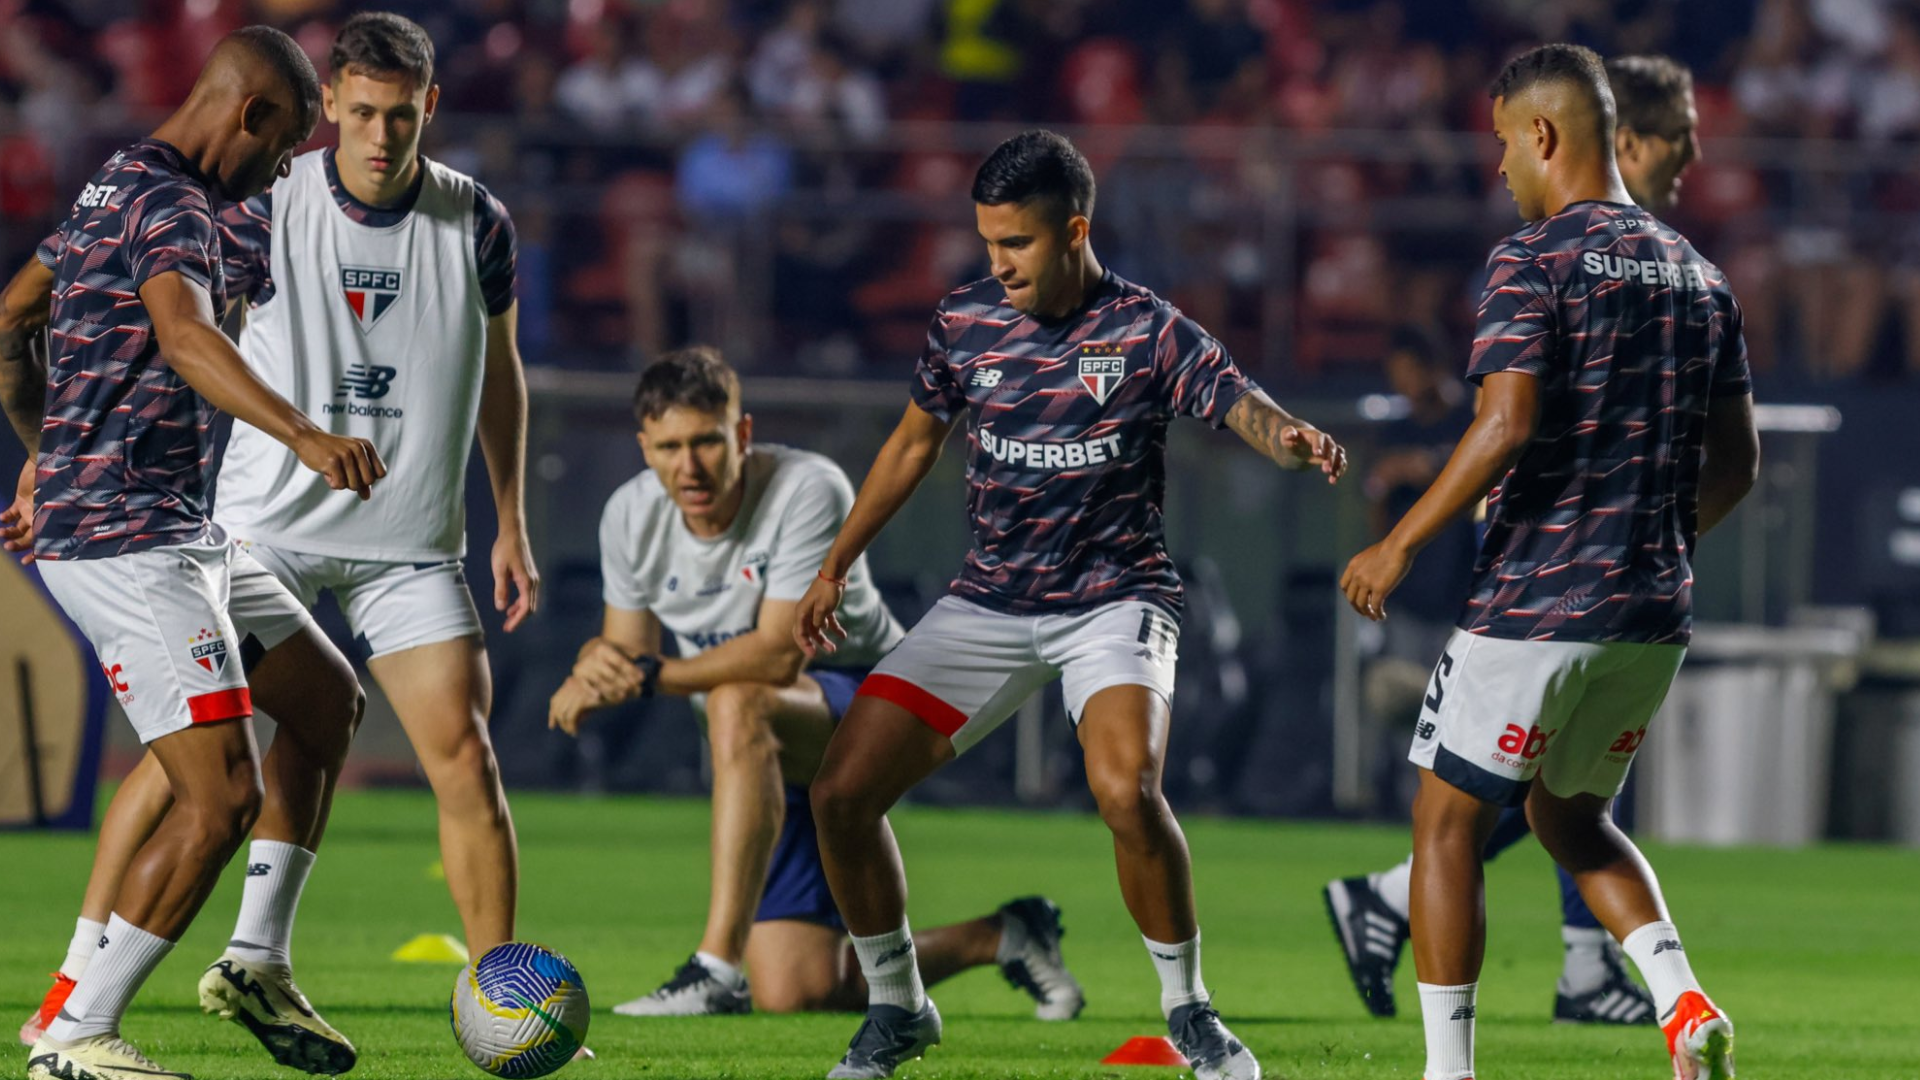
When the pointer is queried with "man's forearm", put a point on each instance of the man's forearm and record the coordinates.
(749, 658)
(1260, 421)
(209, 363)
(1484, 455)
(503, 439)
(23, 386)
(1720, 492)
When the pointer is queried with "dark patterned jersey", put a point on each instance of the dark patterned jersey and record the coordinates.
(1066, 440)
(1631, 334)
(126, 453)
(246, 238)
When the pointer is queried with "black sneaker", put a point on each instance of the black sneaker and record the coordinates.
(1371, 935)
(693, 991)
(1619, 1000)
(888, 1037)
(1210, 1049)
(1029, 957)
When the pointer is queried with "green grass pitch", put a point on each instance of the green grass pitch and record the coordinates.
(1813, 953)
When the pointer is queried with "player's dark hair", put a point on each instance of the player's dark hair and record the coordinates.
(380, 44)
(283, 56)
(1650, 93)
(694, 378)
(1573, 65)
(1037, 165)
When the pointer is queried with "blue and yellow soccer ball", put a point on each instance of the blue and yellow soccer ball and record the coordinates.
(520, 1011)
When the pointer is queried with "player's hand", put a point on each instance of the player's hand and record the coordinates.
(570, 705)
(1310, 446)
(1373, 574)
(605, 670)
(348, 464)
(816, 622)
(513, 571)
(16, 521)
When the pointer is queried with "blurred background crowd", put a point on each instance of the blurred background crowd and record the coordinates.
(788, 177)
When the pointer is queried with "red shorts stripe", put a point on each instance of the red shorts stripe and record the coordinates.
(931, 711)
(220, 705)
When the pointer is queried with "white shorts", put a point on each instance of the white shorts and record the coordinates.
(1499, 712)
(167, 624)
(393, 605)
(965, 668)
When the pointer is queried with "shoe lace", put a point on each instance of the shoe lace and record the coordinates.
(121, 1046)
(691, 974)
(1201, 1036)
(878, 1035)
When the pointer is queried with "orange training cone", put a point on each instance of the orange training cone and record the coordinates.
(1146, 1050)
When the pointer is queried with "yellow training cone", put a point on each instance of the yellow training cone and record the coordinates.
(432, 949)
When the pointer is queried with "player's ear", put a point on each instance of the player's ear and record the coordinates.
(327, 104)
(744, 430)
(254, 113)
(1077, 229)
(1546, 138)
(433, 102)
(1626, 143)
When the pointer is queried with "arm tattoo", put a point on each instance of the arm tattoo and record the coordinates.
(1259, 421)
(23, 381)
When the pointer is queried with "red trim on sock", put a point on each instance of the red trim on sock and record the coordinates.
(220, 705)
(930, 710)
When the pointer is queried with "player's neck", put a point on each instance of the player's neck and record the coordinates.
(1599, 182)
(372, 192)
(1085, 282)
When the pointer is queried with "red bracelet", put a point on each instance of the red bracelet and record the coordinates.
(840, 581)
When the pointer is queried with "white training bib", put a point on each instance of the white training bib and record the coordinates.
(708, 591)
(372, 332)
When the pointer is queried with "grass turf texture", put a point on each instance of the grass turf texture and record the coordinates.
(1811, 952)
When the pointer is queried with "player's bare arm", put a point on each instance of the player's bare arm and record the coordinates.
(194, 346)
(1508, 414)
(1731, 462)
(907, 457)
(503, 442)
(1291, 442)
(25, 307)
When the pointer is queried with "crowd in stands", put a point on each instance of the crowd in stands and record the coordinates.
(789, 177)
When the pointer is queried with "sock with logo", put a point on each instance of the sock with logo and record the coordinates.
(1179, 968)
(1656, 951)
(86, 938)
(1395, 887)
(729, 975)
(276, 872)
(892, 969)
(1584, 968)
(125, 957)
(1447, 1012)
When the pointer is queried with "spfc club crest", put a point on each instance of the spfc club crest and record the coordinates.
(208, 649)
(370, 292)
(1102, 368)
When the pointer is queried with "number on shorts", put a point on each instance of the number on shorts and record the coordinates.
(1440, 671)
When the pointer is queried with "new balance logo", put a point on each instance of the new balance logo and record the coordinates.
(1666, 945)
(891, 955)
(1464, 1012)
(366, 381)
(259, 869)
(988, 377)
(1163, 956)
(1424, 729)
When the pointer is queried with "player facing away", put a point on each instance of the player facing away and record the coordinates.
(379, 299)
(1654, 144)
(124, 467)
(717, 543)
(1615, 425)
(1069, 376)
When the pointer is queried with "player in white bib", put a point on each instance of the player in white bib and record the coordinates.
(716, 543)
(379, 301)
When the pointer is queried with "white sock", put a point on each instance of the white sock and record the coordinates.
(1395, 887)
(276, 872)
(86, 938)
(1656, 951)
(720, 969)
(1179, 968)
(1585, 968)
(892, 969)
(126, 956)
(1447, 1012)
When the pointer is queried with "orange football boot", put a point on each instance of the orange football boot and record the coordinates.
(36, 1024)
(1700, 1038)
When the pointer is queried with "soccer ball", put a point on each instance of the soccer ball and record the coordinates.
(520, 1010)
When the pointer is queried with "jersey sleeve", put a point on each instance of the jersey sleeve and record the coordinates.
(246, 249)
(1515, 325)
(1200, 377)
(1731, 376)
(936, 388)
(168, 230)
(812, 521)
(496, 250)
(620, 584)
(51, 249)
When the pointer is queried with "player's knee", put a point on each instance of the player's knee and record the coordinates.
(838, 805)
(220, 814)
(464, 771)
(783, 997)
(740, 722)
(1129, 798)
